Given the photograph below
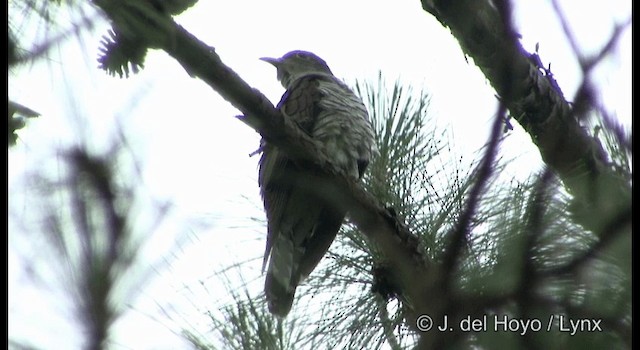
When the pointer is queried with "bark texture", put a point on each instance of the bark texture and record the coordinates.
(534, 99)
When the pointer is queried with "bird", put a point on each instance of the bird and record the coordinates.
(301, 223)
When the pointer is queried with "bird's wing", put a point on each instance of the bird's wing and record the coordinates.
(301, 224)
(277, 172)
(274, 191)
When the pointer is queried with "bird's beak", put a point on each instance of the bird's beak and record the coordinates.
(274, 61)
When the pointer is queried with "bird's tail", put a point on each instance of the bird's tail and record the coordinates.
(280, 283)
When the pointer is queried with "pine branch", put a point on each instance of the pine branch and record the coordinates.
(380, 225)
(459, 237)
(529, 92)
(534, 99)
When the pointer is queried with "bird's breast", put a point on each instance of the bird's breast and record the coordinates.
(343, 128)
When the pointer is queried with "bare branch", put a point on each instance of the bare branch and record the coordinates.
(460, 231)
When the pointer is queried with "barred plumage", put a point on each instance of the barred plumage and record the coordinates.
(301, 224)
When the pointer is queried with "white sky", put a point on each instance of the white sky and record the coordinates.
(195, 153)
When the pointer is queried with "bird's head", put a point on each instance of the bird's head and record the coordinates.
(296, 64)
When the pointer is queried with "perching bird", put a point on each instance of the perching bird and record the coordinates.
(301, 224)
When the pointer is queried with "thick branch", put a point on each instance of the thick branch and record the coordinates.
(399, 247)
(395, 242)
(534, 99)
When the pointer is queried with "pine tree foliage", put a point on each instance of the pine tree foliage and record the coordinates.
(123, 50)
(357, 313)
(35, 27)
(119, 55)
(337, 306)
(18, 115)
(245, 323)
(527, 253)
(90, 224)
(525, 257)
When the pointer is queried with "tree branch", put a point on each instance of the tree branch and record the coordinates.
(534, 99)
(396, 243)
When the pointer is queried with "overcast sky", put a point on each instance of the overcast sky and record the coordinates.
(195, 153)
